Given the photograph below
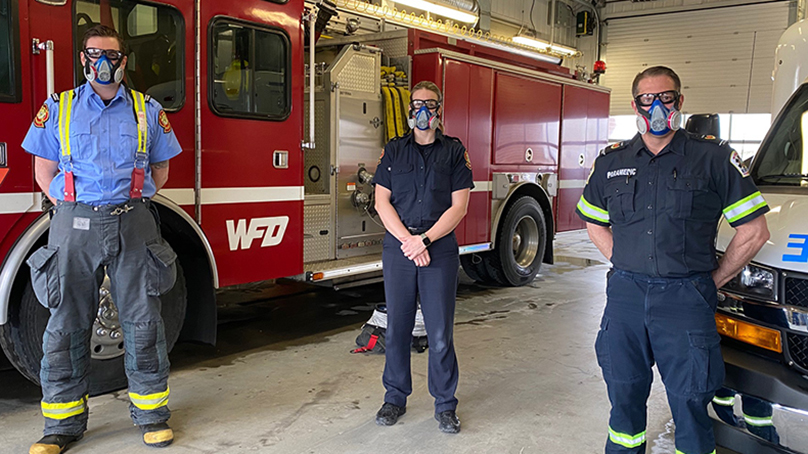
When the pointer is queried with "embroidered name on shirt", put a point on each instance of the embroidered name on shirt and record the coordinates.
(621, 173)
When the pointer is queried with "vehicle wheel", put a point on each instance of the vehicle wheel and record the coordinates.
(520, 244)
(21, 336)
(474, 266)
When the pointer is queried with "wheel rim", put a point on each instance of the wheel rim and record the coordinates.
(107, 338)
(525, 242)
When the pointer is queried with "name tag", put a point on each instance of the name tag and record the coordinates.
(81, 223)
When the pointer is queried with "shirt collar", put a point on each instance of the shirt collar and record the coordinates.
(676, 145)
(121, 93)
(411, 137)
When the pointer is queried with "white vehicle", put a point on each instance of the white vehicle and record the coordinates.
(763, 312)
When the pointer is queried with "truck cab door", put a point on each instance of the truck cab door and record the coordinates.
(251, 133)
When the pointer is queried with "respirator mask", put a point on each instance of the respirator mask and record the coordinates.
(658, 120)
(422, 116)
(107, 67)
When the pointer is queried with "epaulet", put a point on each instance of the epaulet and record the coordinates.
(55, 96)
(451, 138)
(145, 96)
(615, 147)
(710, 138)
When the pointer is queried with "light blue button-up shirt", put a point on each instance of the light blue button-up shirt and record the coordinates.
(103, 141)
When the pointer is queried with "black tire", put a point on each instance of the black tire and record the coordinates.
(21, 336)
(521, 241)
(474, 267)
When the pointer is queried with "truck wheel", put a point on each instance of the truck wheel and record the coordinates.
(520, 244)
(21, 336)
(474, 266)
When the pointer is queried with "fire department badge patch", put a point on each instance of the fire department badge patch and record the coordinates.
(163, 119)
(738, 163)
(42, 116)
(380, 157)
(468, 160)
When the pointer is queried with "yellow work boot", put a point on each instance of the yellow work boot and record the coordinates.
(157, 435)
(53, 444)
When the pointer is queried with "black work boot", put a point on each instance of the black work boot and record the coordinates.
(53, 444)
(448, 422)
(157, 435)
(388, 414)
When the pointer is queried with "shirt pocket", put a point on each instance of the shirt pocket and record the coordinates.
(83, 142)
(620, 199)
(402, 179)
(442, 185)
(683, 196)
(129, 139)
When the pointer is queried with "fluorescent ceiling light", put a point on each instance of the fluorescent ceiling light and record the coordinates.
(440, 10)
(532, 42)
(563, 50)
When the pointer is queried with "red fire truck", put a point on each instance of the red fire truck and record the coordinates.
(269, 187)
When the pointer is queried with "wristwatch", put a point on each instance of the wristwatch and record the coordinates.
(426, 240)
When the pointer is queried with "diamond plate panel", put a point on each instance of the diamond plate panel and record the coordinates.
(317, 161)
(316, 246)
(392, 48)
(358, 74)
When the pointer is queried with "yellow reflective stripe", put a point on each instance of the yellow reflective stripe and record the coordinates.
(629, 441)
(681, 452)
(724, 401)
(64, 410)
(150, 401)
(65, 108)
(592, 212)
(142, 121)
(758, 421)
(744, 207)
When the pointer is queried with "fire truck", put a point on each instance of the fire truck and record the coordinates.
(282, 112)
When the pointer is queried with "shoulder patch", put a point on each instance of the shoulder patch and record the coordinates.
(615, 147)
(42, 116)
(162, 118)
(380, 157)
(468, 160)
(738, 163)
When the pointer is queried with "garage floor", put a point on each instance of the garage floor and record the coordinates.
(282, 379)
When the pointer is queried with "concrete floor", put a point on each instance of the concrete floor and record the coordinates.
(282, 379)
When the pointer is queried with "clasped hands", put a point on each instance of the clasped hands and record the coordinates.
(414, 249)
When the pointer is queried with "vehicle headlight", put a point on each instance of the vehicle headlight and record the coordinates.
(754, 280)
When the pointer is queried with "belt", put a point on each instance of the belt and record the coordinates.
(418, 230)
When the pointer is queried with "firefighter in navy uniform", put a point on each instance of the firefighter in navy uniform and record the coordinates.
(652, 207)
(101, 151)
(422, 190)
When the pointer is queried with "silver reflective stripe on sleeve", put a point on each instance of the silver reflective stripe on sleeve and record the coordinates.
(593, 212)
(744, 207)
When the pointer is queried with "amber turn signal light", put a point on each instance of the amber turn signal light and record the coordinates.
(749, 333)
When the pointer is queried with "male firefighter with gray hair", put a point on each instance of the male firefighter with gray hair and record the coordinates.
(102, 151)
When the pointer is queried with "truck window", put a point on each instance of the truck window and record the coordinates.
(783, 158)
(9, 49)
(154, 35)
(249, 71)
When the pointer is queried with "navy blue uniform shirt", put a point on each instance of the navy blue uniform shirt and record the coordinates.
(664, 209)
(422, 184)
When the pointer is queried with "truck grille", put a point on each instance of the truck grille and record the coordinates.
(798, 349)
(797, 292)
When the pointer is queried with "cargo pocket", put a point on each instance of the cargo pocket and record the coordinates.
(162, 267)
(707, 364)
(602, 348)
(44, 265)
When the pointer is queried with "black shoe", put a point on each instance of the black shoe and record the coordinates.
(53, 444)
(157, 435)
(389, 414)
(448, 422)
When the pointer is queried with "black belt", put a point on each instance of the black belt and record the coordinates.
(418, 230)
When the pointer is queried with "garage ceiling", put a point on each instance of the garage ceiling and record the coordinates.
(724, 56)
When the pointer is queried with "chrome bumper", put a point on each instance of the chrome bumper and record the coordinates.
(781, 426)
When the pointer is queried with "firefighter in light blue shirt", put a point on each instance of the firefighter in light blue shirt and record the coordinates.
(102, 151)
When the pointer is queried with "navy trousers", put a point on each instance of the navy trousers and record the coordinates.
(436, 284)
(671, 322)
